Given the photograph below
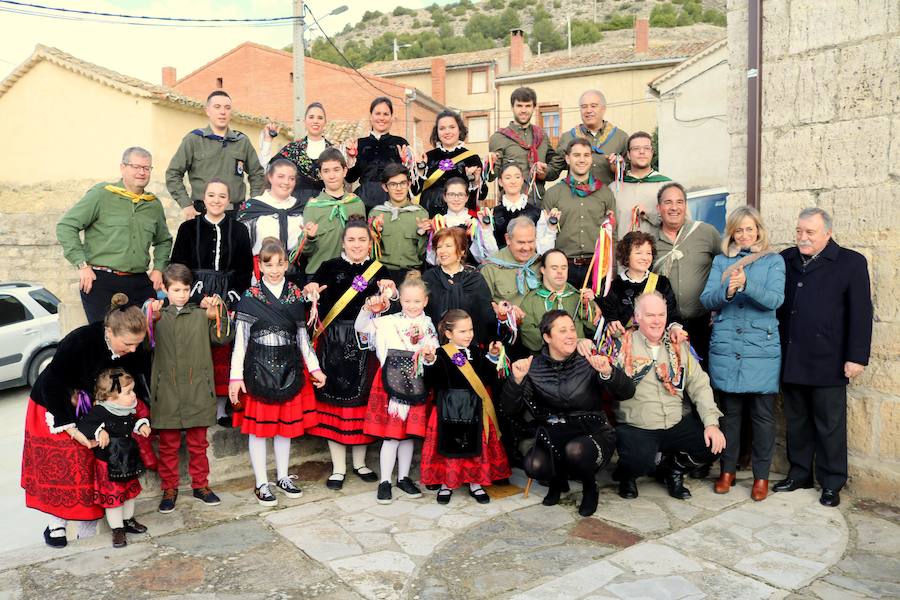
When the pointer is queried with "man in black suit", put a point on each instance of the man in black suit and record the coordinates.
(826, 333)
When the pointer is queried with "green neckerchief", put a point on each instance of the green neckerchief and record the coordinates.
(555, 298)
(652, 177)
(338, 207)
(583, 190)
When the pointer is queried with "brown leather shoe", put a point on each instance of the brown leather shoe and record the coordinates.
(118, 537)
(724, 482)
(760, 489)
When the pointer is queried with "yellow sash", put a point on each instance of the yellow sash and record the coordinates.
(345, 299)
(650, 286)
(487, 407)
(432, 179)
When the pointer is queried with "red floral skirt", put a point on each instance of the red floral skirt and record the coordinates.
(341, 424)
(490, 466)
(57, 472)
(221, 358)
(289, 419)
(380, 424)
(110, 494)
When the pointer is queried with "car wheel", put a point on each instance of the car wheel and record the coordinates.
(39, 363)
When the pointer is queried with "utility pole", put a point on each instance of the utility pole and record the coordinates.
(569, 33)
(299, 69)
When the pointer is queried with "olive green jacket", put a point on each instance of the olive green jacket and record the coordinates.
(534, 305)
(331, 225)
(580, 218)
(508, 151)
(613, 144)
(403, 247)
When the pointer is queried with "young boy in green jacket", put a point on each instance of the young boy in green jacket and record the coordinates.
(401, 227)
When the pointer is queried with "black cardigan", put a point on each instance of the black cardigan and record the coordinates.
(235, 251)
(466, 290)
(433, 198)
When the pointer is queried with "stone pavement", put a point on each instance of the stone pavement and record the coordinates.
(343, 545)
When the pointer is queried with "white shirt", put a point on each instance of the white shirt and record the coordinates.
(315, 148)
(267, 226)
(393, 332)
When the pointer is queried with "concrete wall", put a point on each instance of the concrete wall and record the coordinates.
(693, 123)
(831, 138)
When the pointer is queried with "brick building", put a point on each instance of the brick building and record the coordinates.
(260, 81)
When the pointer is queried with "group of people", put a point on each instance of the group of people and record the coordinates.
(546, 327)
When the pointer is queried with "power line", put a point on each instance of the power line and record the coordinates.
(91, 13)
(346, 60)
(111, 21)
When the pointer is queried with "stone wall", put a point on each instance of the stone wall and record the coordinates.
(831, 138)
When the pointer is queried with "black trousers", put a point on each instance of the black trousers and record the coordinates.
(638, 447)
(816, 419)
(577, 274)
(700, 331)
(762, 416)
(136, 286)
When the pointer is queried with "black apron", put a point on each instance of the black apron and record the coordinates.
(399, 379)
(124, 461)
(350, 370)
(459, 426)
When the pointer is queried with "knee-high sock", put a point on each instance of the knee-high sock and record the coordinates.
(282, 456)
(359, 456)
(128, 509)
(220, 407)
(404, 458)
(257, 447)
(388, 458)
(338, 457)
(55, 523)
(114, 517)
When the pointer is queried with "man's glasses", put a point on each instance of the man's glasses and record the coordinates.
(455, 195)
(139, 168)
(397, 185)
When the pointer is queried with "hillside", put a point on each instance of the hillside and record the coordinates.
(464, 25)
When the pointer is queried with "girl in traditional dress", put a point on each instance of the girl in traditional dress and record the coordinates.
(342, 285)
(217, 250)
(112, 424)
(480, 238)
(513, 203)
(267, 372)
(305, 152)
(404, 342)
(462, 443)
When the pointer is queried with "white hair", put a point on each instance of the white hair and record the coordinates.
(812, 211)
(598, 93)
(126, 156)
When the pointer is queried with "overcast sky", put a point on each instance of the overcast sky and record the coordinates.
(142, 51)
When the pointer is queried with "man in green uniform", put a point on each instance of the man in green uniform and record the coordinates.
(401, 227)
(607, 141)
(120, 222)
(216, 151)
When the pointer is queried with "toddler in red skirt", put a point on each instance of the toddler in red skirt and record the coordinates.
(112, 423)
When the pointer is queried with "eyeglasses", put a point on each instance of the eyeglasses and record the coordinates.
(455, 195)
(139, 168)
(641, 149)
(397, 185)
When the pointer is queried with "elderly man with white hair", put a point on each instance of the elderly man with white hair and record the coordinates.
(608, 142)
(656, 419)
(826, 335)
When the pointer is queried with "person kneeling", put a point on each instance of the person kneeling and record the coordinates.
(654, 420)
(562, 390)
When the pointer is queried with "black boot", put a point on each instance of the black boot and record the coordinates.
(675, 466)
(589, 498)
(555, 488)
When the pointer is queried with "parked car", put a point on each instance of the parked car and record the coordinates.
(29, 332)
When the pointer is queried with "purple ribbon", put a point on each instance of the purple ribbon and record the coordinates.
(359, 283)
(446, 165)
(459, 359)
(83, 406)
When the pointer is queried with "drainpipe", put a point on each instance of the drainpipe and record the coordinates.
(409, 95)
(754, 101)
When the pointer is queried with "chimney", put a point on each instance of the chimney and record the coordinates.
(516, 49)
(439, 80)
(641, 36)
(168, 77)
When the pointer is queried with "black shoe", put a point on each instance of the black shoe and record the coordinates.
(589, 499)
(369, 476)
(287, 487)
(480, 495)
(118, 537)
(444, 495)
(132, 526)
(265, 496)
(409, 488)
(225, 422)
(55, 542)
(701, 472)
(167, 504)
(207, 496)
(628, 489)
(554, 490)
(789, 485)
(335, 484)
(675, 484)
(384, 493)
(830, 497)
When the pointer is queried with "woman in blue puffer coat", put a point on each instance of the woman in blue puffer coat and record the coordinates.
(745, 287)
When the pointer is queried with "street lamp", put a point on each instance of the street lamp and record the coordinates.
(340, 9)
(397, 48)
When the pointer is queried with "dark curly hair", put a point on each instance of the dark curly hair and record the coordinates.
(463, 130)
(631, 240)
